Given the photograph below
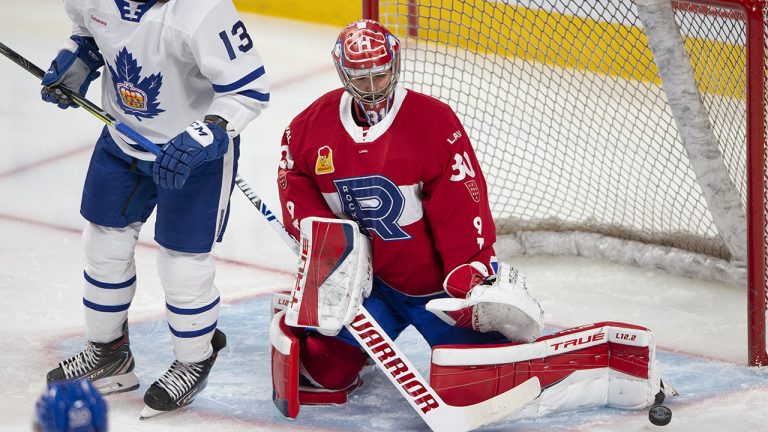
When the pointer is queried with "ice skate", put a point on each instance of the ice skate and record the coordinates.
(181, 383)
(109, 366)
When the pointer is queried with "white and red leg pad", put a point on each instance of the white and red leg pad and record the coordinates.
(604, 364)
(331, 366)
(329, 363)
(280, 301)
(285, 365)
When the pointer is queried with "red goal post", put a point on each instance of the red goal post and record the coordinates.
(589, 146)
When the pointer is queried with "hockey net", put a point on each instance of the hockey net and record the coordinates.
(593, 146)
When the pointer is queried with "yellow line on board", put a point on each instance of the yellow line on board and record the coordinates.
(334, 12)
(566, 41)
(541, 36)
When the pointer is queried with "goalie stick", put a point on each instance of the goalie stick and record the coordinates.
(438, 415)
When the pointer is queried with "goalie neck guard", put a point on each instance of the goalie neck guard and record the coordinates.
(367, 59)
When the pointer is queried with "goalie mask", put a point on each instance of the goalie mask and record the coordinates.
(367, 58)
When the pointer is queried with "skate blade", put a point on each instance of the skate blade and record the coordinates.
(116, 384)
(148, 412)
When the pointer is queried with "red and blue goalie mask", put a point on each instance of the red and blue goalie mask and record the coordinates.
(367, 58)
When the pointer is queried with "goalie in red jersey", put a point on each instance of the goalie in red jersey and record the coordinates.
(383, 188)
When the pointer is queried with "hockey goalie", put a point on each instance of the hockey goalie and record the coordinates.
(315, 360)
(381, 187)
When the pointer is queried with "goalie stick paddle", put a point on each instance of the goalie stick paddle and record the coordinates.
(438, 415)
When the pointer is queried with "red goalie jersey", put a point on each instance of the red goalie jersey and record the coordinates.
(412, 181)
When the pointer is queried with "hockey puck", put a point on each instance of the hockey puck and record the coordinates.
(660, 415)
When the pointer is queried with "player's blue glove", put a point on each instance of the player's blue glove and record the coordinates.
(199, 143)
(75, 67)
(71, 406)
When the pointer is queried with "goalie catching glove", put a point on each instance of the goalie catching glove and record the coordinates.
(499, 303)
(335, 275)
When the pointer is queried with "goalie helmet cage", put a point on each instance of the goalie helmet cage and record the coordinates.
(593, 146)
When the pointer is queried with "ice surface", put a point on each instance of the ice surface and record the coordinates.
(700, 326)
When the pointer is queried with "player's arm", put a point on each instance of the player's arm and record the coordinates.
(456, 202)
(226, 54)
(456, 205)
(300, 196)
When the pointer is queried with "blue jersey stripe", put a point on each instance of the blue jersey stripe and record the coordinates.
(104, 308)
(200, 310)
(105, 285)
(253, 94)
(191, 334)
(253, 76)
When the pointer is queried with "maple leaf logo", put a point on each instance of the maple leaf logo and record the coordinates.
(137, 96)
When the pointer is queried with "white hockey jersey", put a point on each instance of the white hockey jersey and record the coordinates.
(169, 64)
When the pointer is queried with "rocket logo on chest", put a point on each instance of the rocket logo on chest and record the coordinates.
(324, 164)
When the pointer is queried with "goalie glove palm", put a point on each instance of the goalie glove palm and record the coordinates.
(199, 143)
(500, 303)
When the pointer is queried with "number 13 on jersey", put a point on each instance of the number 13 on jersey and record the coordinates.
(238, 31)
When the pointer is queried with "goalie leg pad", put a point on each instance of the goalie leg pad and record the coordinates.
(607, 363)
(330, 366)
(285, 343)
(280, 301)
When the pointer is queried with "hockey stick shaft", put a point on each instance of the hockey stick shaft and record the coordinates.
(273, 220)
(83, 102)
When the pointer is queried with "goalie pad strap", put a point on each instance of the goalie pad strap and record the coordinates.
(318, 396)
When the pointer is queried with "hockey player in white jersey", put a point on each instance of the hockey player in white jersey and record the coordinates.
(187, 76)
